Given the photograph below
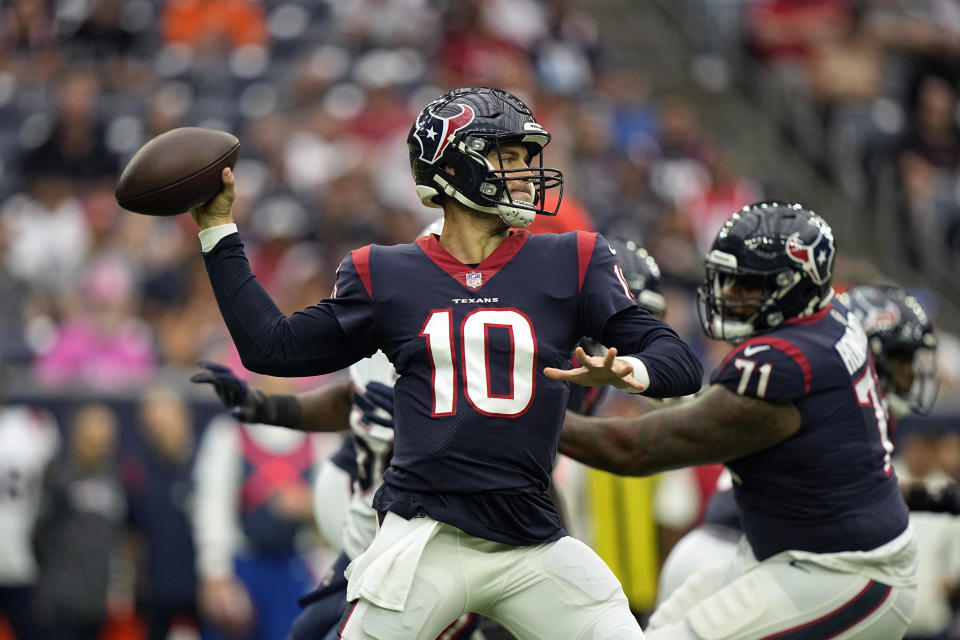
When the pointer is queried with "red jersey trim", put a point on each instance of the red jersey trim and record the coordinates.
(511, 245)
(586, 241)
(361, 261)
(816, 317)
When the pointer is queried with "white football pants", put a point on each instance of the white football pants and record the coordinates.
(544, 592)
(787, 598)
(705, 546)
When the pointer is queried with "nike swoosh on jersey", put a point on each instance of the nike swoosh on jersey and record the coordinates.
(755, 349)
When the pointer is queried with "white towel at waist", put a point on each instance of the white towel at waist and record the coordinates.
(384, 572)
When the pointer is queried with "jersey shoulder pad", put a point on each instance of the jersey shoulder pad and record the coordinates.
(765, 367)
(353, 274)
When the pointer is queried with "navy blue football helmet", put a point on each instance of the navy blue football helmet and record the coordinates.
(641, 274)
(771, 261)
(459, 129)
(898, 330)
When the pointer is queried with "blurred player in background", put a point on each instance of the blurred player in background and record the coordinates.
(903, 345)
(796, 412)
(469, 320)
(252, 516)
(29, 439)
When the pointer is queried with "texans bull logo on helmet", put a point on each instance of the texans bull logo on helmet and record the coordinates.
(816, 258)
(881, 318)
(434, 132)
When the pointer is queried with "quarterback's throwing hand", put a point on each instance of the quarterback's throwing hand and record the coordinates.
(597, 371)
(217, 211)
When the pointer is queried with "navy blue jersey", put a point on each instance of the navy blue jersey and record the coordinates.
(829, 487)
(722, 510)
(476, 421)
(346, 456)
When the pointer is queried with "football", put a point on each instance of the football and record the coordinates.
(176, 171)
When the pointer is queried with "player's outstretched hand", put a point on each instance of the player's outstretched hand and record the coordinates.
(245, 404)
(597, 371)
(217, 211)
(375, 396)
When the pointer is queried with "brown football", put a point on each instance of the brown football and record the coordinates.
(176, 171)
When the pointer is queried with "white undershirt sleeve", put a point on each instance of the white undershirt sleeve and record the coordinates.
(640, 373)
(210, 237)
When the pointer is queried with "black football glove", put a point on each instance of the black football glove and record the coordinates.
(243, 402)
(375, 396)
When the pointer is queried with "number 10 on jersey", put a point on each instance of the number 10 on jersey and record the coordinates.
(472, 345)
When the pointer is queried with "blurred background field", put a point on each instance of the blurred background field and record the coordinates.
(667, 116)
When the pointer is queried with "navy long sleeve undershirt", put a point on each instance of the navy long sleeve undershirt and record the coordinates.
(674, 369)
(307, 343)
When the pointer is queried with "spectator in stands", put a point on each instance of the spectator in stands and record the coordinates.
(75, 148)
(678, 173)
(101, 35)
(929, 160)
(103, 346)
(473, 52)
(948, 454)
(26, 25)
(15, 292)
(48, 235)
(216, 24)
(846, 77)
(724, 190)
(938, 536)
(157, 477)
(82, 569)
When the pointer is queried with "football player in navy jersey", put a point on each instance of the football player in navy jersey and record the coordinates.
(795, 412)
(472, 321)
(903, 345)
(345, 484)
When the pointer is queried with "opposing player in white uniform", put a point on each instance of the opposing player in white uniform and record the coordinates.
(252, 507)
(29, 439)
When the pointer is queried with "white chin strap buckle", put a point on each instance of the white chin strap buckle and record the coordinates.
(516, 217)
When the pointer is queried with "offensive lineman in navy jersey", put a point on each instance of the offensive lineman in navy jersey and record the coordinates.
(795, 413)
(471, 320)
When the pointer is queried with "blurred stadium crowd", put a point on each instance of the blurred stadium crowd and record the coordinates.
(101, 303)
(866, 90)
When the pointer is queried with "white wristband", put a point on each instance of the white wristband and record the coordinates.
(211, 236)
(640, 374)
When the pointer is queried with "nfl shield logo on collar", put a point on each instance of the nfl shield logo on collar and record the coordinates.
(474, 279)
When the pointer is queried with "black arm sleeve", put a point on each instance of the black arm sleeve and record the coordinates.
(310, 342)
(674, 369)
